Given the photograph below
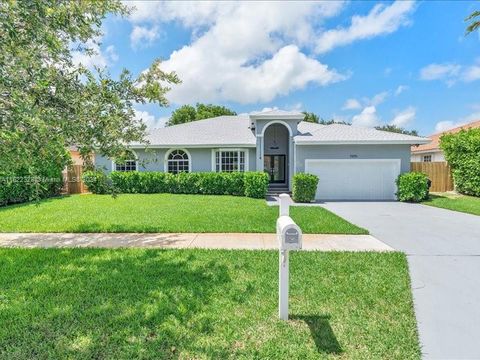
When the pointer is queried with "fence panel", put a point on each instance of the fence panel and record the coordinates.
(438, 172)
(75, 184)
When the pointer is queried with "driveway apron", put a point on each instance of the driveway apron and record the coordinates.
(443, 250)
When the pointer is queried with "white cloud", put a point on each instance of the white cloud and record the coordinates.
(451, 73)
(404, 117)
(150, 120)
(352, 104)
(368, 117)
(378, 98)
(379, 21)
(99, 58)
(448, 124)
(439, 71)
(143, 36)
(254, 63)
(400, 89)
(251, 52)
(471, 73)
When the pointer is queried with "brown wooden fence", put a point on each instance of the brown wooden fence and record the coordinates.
(74, 181)
(439, 172)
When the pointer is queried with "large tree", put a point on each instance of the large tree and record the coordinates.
(474, 19)
(188, 113)
(48, 103)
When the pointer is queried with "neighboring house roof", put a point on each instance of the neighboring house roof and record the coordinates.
(236, 131)
(435, 144)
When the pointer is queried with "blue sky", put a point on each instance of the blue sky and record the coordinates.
(369, 63)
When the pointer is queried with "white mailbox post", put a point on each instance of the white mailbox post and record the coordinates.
(289, 238)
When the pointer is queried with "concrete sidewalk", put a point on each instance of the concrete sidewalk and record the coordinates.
(189, 240)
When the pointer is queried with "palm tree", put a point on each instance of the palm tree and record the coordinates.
(475, 21)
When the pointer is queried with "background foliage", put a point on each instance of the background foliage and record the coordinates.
(188, 113)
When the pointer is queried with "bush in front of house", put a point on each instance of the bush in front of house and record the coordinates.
(462, 151)
(304, 187)
(96, 181)
(22, 186)
(251, 184)
(256, 184)
(412, 187)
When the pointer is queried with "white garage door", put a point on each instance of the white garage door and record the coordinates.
(355, 179)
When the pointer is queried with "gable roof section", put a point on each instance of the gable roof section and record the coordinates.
(435, 144)
(311, 133)
(218, 131)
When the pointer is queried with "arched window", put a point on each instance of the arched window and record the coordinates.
(130, 164)
(178, 162)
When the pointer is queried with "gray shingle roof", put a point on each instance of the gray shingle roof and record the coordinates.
(218, 131)
(339, 133)
(235, 131)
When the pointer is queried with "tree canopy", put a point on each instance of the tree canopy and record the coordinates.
(396, 129)
(188, 113)
(474, 19)
(48, 103)
(314, 118)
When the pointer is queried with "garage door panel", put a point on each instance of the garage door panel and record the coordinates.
(360, 179)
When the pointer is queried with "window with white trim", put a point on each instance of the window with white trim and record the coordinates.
(229, 160)
(127, 165)
(178, 162)
(427, 158)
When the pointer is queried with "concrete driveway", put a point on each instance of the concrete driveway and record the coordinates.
(443, 249)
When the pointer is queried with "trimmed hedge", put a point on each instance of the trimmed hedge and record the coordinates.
(462, 151)
(412, 187)
(256, 184)
(304, 187)
(96, 181)
(251, 184)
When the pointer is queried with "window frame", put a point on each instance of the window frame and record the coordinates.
(219, 151)
(424, 157)
(167, 160)
(135, 159)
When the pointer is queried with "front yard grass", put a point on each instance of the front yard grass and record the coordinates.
(456, 202)
(199, 304)
(168, 213)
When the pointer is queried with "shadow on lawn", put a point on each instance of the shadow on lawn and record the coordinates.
(108, 303)
(322, 333)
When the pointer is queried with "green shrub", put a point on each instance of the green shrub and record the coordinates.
(96, 181)
(208, 183)
(22, 186)
(304, 187)
(412, 187)
(462, 151)
(256, 184)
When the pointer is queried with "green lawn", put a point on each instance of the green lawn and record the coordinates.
(217, 304)
(163, 213)
(466, 204)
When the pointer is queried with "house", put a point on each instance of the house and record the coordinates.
(352, 162)
(431, 152)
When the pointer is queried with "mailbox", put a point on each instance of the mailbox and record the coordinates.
(289, 234)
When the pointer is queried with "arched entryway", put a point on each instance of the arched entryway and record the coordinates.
(276, 143)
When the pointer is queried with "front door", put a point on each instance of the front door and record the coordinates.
(274, 165)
